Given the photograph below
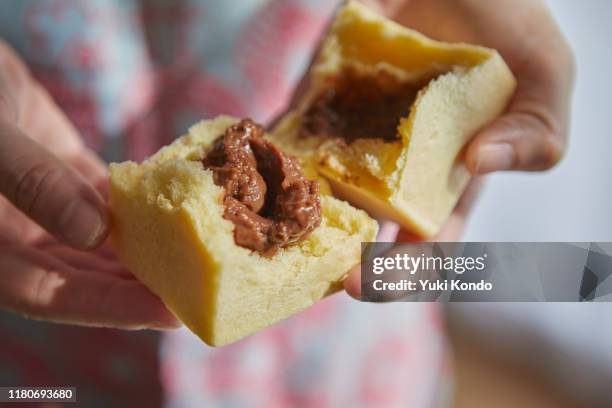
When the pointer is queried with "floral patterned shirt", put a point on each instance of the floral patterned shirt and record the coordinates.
(134, 74)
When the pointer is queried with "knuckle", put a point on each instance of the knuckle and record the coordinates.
(35, 185)
(542, 145)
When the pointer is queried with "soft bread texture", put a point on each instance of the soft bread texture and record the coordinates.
(170, 231)
(418, 179)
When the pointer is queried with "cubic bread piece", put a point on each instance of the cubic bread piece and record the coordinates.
(388, 113)
(227, 231)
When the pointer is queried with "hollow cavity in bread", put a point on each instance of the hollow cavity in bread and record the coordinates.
(355, 105)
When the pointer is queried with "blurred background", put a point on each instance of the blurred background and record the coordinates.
(529, 355)
(548, 354)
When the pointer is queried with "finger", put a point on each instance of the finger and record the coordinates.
(49, 191)
(387, 231)
(34, 180)
(451, 231)
(352, 282)
(40, 287)
(95, 171)
(24, 102)
(16, 226)
(14, 80)
(516, 141)
(86, 260)
(385, 7)
(532, 135)
(103, 251)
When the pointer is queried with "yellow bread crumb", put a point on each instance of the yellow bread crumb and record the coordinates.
(170, 231)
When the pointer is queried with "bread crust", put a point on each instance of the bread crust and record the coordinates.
(170, 231)
(168, 219)
(418, 179)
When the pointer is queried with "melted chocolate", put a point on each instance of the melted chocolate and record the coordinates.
(357, 106)
(267, 198)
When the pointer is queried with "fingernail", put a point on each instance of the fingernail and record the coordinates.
(495, 157)
(81, 224)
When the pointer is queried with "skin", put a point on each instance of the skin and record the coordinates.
(532, 134)
(54, 262)
(53, 208)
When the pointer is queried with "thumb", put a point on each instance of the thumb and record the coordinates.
(49, 191)
(532, 135)
(516, 141)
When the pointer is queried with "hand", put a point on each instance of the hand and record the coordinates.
(50, 207)
(532, 134)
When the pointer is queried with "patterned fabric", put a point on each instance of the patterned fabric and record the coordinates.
(339, 353)
(110, 368)
(132, 75)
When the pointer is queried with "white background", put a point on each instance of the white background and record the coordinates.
(573, 202)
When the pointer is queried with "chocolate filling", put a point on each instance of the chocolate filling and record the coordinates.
(267, 198)
(358, 106)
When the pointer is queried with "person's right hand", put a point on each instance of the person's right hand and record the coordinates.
(51, 210)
